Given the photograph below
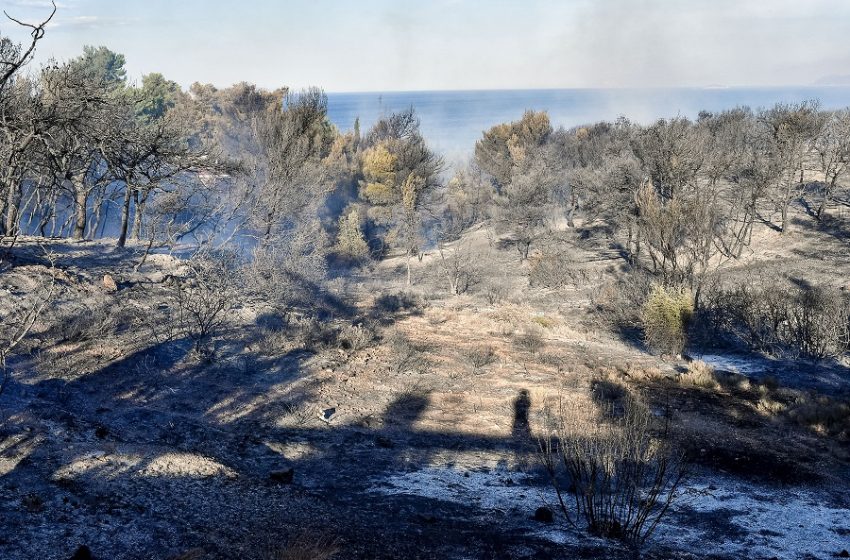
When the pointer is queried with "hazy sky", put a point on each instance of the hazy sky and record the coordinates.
(382, 45)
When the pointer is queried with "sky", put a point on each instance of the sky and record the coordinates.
(398, 45)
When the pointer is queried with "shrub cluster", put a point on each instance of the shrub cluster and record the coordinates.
(800, 320)
(665, 318)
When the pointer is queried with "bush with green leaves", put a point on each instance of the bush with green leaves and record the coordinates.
(665, 318)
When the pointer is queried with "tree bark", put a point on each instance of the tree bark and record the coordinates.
(80, 213)
(13, 203)
(137, 218)
(125, 216)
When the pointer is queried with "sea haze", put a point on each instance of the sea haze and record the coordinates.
(453, 120)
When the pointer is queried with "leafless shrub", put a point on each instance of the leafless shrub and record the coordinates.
(407, 356)
(313, 334)
(622, 477)
(479, 357)
(459, 266)
(32, 503)
(356, 337)
(621, 300)
(610, 392)
(18, 317)
(205, 297)
(318, 550)
(288, 272)
(395, 303)
(825, 415)
(306, 546)
(193, 554)
(530, 340)
(770, 316)
(86, 323)
(496, 290)
(550, 270)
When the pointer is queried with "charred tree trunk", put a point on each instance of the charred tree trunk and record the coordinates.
(137, 218)
(125, 216)
(13, 205)
(80, 212)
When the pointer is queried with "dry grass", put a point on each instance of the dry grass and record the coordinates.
(479, 356)
(826, 416)
(544, 321)
(699, 374)
(307, 547)
(530, 340)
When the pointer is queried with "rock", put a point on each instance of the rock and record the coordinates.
(109, 283)
(844, 554)
(82, 553)
(544, 515)
(282, 476)
(101, 431)
(327, 413)
(385, 442)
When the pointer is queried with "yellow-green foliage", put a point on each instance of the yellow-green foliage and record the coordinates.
(350, 239)
(665, 316)
(379, 171)
(505, 146)
(545, 322)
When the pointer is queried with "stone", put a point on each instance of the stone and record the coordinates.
(544, 515)
(83, 553)
(109, 283)
(385, 442)
(844, 554)
(283, 476)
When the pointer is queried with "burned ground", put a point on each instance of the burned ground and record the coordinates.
(416, 440)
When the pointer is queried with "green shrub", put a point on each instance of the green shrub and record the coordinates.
(665, 318)
(350, 241)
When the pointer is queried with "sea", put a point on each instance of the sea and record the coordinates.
(452, 121)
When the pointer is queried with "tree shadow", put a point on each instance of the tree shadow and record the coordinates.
(147, 428)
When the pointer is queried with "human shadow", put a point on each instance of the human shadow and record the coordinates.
(165, 437)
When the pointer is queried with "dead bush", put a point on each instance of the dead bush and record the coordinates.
(544, 321)
(304, 547)
(396, 303)
(825, 415)
(204, 298)
(459, 265)
(550, 270)
(699, 374)
(615, 475)
(620, 301)
(530, 340)
(771, 315)
(86, 323)
(313, 334)
(356, 337)
(665, 318)
(479, 357)
(407, 356)
(496, 290)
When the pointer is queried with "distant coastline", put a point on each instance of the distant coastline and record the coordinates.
(453, 120)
